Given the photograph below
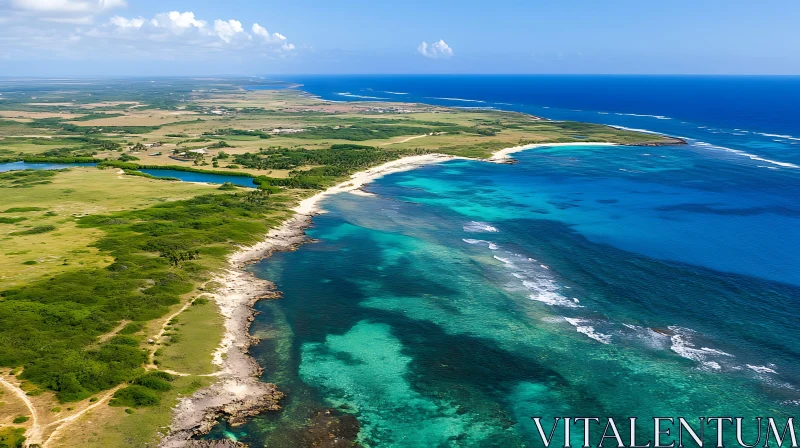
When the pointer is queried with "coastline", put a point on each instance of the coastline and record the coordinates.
(238, 393)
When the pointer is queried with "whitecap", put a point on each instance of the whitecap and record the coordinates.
(489, 244)
(659, 117)
(588, 330)
(745, 154)
(351, 95)
(684, 347)
(456, 99)
(477, 227)
(787, 137)
(761, 369)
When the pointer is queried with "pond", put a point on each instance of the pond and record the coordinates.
(188, 176)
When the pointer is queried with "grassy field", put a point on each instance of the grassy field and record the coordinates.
(191, 339)
(60, 202)
(95, 263)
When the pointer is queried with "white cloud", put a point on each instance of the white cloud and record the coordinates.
(122, 22)
(66, 6)
(272, 39)
(182, 29)
(48, 28)
(177, 20)
(228, 30)
(436, 50)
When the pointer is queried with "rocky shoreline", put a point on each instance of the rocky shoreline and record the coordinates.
(238, 393)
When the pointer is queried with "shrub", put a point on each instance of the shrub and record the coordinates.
(135, 397)
(4, 220)
(21, 419)
(35, 230)
(131, 328)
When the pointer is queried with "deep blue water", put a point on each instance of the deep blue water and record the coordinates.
(13, 166)
(189, 176)
(720, 113)
(464, 298)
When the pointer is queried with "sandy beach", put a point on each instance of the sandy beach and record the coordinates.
(504, 154)
(238, 392)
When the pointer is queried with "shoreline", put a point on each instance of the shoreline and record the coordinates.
(238, 392)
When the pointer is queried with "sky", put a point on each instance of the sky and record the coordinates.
(262, 37)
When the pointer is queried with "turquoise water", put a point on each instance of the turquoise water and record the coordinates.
(188, 176)
(14, 166)
(464, 298)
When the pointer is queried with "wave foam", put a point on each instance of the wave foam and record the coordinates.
(761, 369)
(588, 330)
(787, 137)
(684, 347)
(659, 117)
(489, 244)
(352, 95)
(479, 227)
(456, 99)
(745, 154)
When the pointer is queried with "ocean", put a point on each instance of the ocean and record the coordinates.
(462, 299)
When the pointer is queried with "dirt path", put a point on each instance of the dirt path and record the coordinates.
(112, 333)
(34, 433)
(64, 422)
(404, 140)
(156, 338)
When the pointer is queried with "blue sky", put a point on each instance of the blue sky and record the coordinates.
(138, 37)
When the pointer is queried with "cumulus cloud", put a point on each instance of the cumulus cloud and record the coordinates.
(175, 20)
(123, 23)
(228, 30)
(436, 50)
(184, 28)
(73, 29)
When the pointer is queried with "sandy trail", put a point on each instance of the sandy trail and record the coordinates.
(64, 422)
(408, 139)
(34, 433)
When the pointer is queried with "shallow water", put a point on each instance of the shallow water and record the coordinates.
(467, 297)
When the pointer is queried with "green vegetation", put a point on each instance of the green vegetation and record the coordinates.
(12, 437)
(132, 328)
(229, 131)
(4, 220)
(35, 230)
(23, 209)
(143, 391)
(21, 419)
(47, 326)
(26, 178)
